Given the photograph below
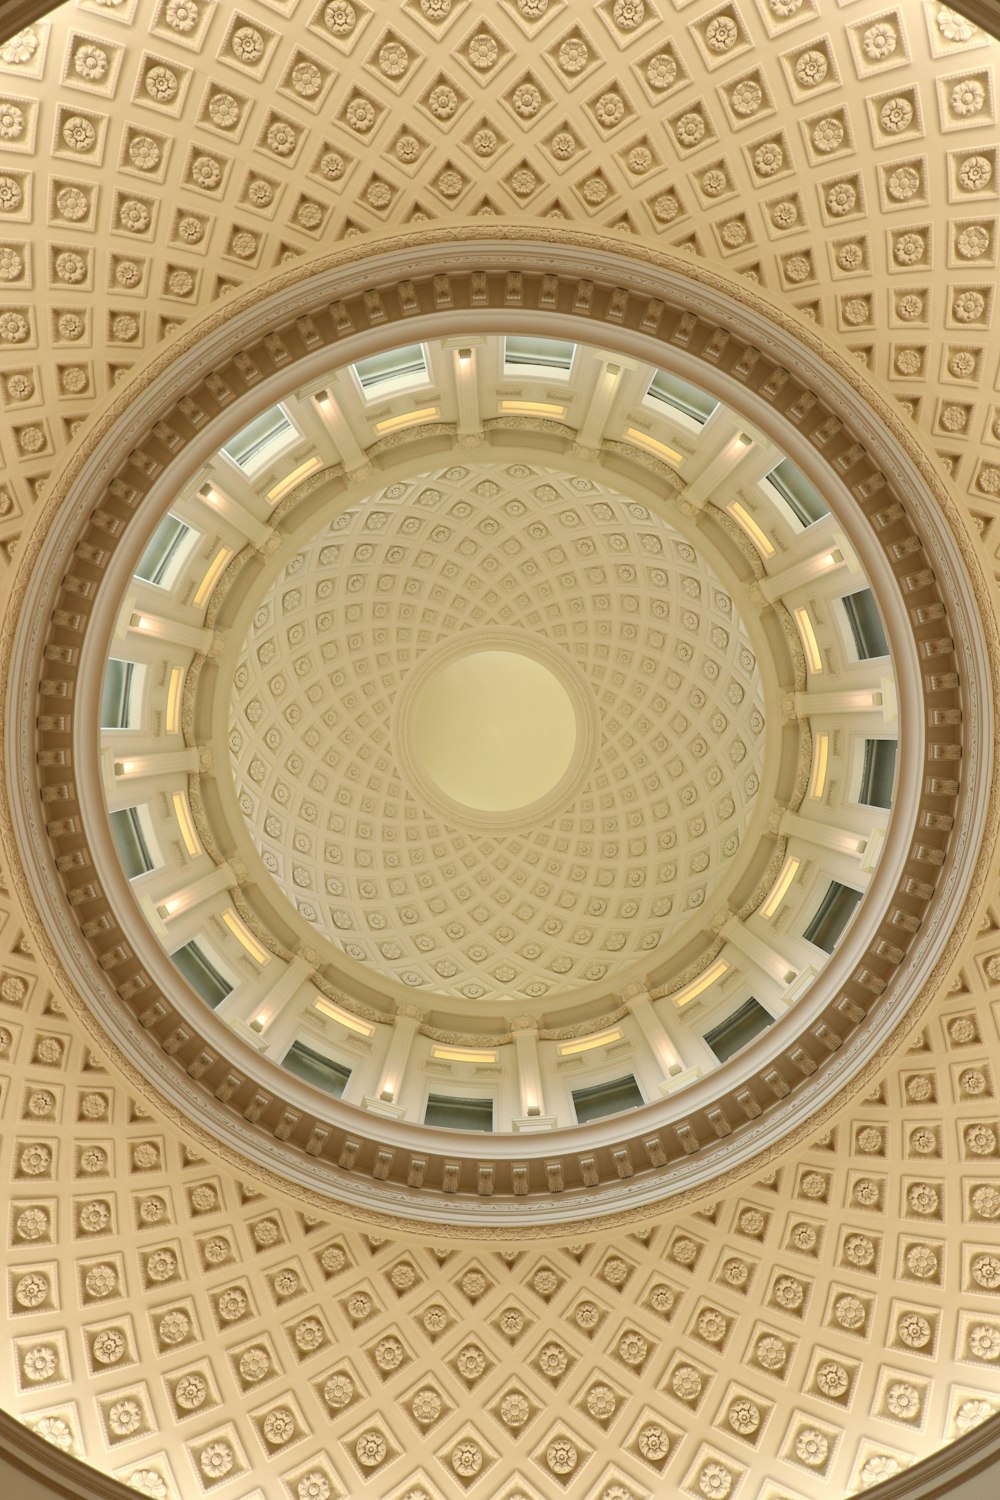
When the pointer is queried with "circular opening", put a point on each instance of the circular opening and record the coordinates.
(494, 730)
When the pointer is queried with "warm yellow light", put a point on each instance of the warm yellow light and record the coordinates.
(291, 480)
(809, 642)
(463, 1054)
(661, 450)
(588, 1043)
(703, 982)
(534, 408)
(821, 759)
(174, 687)
(345, 1018)
(127, 767)
(243, 935)
(408, 419)
(745, 519)
(779, 889)
(182, 811)
(167, 908)
(213, 575)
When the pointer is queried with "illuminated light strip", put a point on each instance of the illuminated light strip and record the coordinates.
(291, 480)
(745, 519)
(243, 935)
(653, 445)
(343, 1016)
(182, 811)
(821, 759)
(810, 644)
(602, 1039)
(213, 575)
(463, 1054)
(534, 408)
(779, 889)
(174, 687)
(408, 419)
(698, 986)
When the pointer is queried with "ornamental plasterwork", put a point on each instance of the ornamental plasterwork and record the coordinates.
(179, 1327)
(812, 1331)
(507, 525)
(183, 1034)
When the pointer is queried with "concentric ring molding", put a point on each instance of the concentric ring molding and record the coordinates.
(832, 421)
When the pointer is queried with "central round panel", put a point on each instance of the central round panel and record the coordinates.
(493, 730)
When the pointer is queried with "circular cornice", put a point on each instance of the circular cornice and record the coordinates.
(831, 419)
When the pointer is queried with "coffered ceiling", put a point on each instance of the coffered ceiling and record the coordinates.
(177, 1321)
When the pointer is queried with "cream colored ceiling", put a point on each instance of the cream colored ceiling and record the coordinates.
(822, 1327)
(572, 897)
(807, 1334)
(155, 163)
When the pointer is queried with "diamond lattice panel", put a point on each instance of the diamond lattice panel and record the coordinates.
(807, 1334)
(512, 552)
(158, 155)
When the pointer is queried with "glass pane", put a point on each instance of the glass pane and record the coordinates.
(688, 398)
(835, 911)
(458, 1114)
(866, 624)
(161, 549)
(316, 1069)
(201, 974)
(133, 851)
(879, 773)
(116, 695)
(406, 363)
(606, 1099)
(738, 1029)
(795, 489)
(250, 445)
(549, 354)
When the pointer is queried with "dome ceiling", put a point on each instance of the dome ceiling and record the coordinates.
(155, 164)
(831, 1318)
(516, 553)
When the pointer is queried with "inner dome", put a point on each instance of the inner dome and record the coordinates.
(328, 764)
(494, 730)
(675, 888)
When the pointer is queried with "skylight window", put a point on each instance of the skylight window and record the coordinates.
(164, 554)
(867, 629)
(608, 1098)
(322, 1072)
(396, 370)
(121, 695)
(448, 1113)
(738, 1030)
(531, 356)
(878, 773)
(835, 911)
(201, 973)
(799, 493)
(262, 440)
(670, 390)
(132, 841)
